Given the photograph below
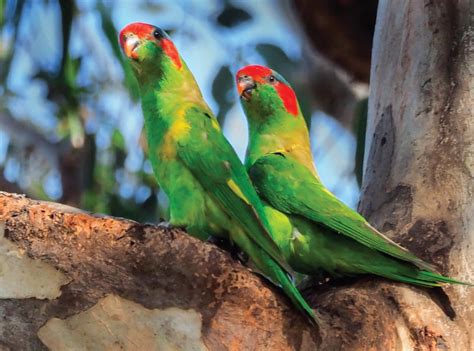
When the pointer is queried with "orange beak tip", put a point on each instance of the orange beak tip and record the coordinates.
(129, 47)
(240, 88)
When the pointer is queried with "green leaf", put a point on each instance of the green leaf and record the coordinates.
(2, 11)
(117, 139)
(71, 68)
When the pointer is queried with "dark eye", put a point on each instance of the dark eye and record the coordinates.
(272, 79)
(157, 34)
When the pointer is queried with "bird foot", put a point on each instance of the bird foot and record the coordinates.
(164, 225)
(230, 247)
(241, 256)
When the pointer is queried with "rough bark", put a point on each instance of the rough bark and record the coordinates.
(115, 272)
(418, 185)
(419, 180)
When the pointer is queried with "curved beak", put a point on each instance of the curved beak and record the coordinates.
(245, 87)
(131, 43)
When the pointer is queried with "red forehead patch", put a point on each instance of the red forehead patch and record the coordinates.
(257, 72)
(141, 30)
(145, 31)
(285, 92)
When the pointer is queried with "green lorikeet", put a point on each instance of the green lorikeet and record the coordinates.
(208, 188)
(315, 231)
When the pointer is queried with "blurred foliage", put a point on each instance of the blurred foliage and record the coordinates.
(231, 15)
(111, 34)
(70, 124)
(222, 89)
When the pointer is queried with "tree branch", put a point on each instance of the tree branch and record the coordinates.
(153, 267)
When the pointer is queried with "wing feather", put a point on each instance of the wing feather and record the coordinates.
(221, 173)
(290, 187)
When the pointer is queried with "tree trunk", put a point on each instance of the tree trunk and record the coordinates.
(418, 184)
(419, 181)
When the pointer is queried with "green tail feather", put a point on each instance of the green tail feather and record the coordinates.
(411, 275)
(293, 293)
(441, 279)
(273, 270)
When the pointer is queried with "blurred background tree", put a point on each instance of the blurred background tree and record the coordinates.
(70, 119)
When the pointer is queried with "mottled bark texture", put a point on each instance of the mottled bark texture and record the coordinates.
(419, 180)
(419, 183)
(145, 266)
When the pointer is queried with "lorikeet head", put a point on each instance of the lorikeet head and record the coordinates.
(146, 46)
(274, 117)
(265, 91)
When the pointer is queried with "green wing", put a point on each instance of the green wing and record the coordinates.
(290, 187)
(214, 163)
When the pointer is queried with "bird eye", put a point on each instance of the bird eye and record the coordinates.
(157, 34)
(271, 79)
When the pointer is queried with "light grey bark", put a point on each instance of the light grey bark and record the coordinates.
(419, 179)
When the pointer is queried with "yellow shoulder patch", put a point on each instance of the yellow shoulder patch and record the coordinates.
(168, 149)
(235, 188)
(179, 127)
(215, 124)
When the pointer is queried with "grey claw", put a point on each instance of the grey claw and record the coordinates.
(165, 225)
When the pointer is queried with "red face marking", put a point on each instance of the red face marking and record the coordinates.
(260, 74)
(288, 96)
(170, 50)
(144, 31)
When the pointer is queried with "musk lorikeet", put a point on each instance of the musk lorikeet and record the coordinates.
(208, 188)
(316, 231)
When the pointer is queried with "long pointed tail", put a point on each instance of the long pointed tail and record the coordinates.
(279, 276)
(440, 279)
(406, 273)
(273, 270)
